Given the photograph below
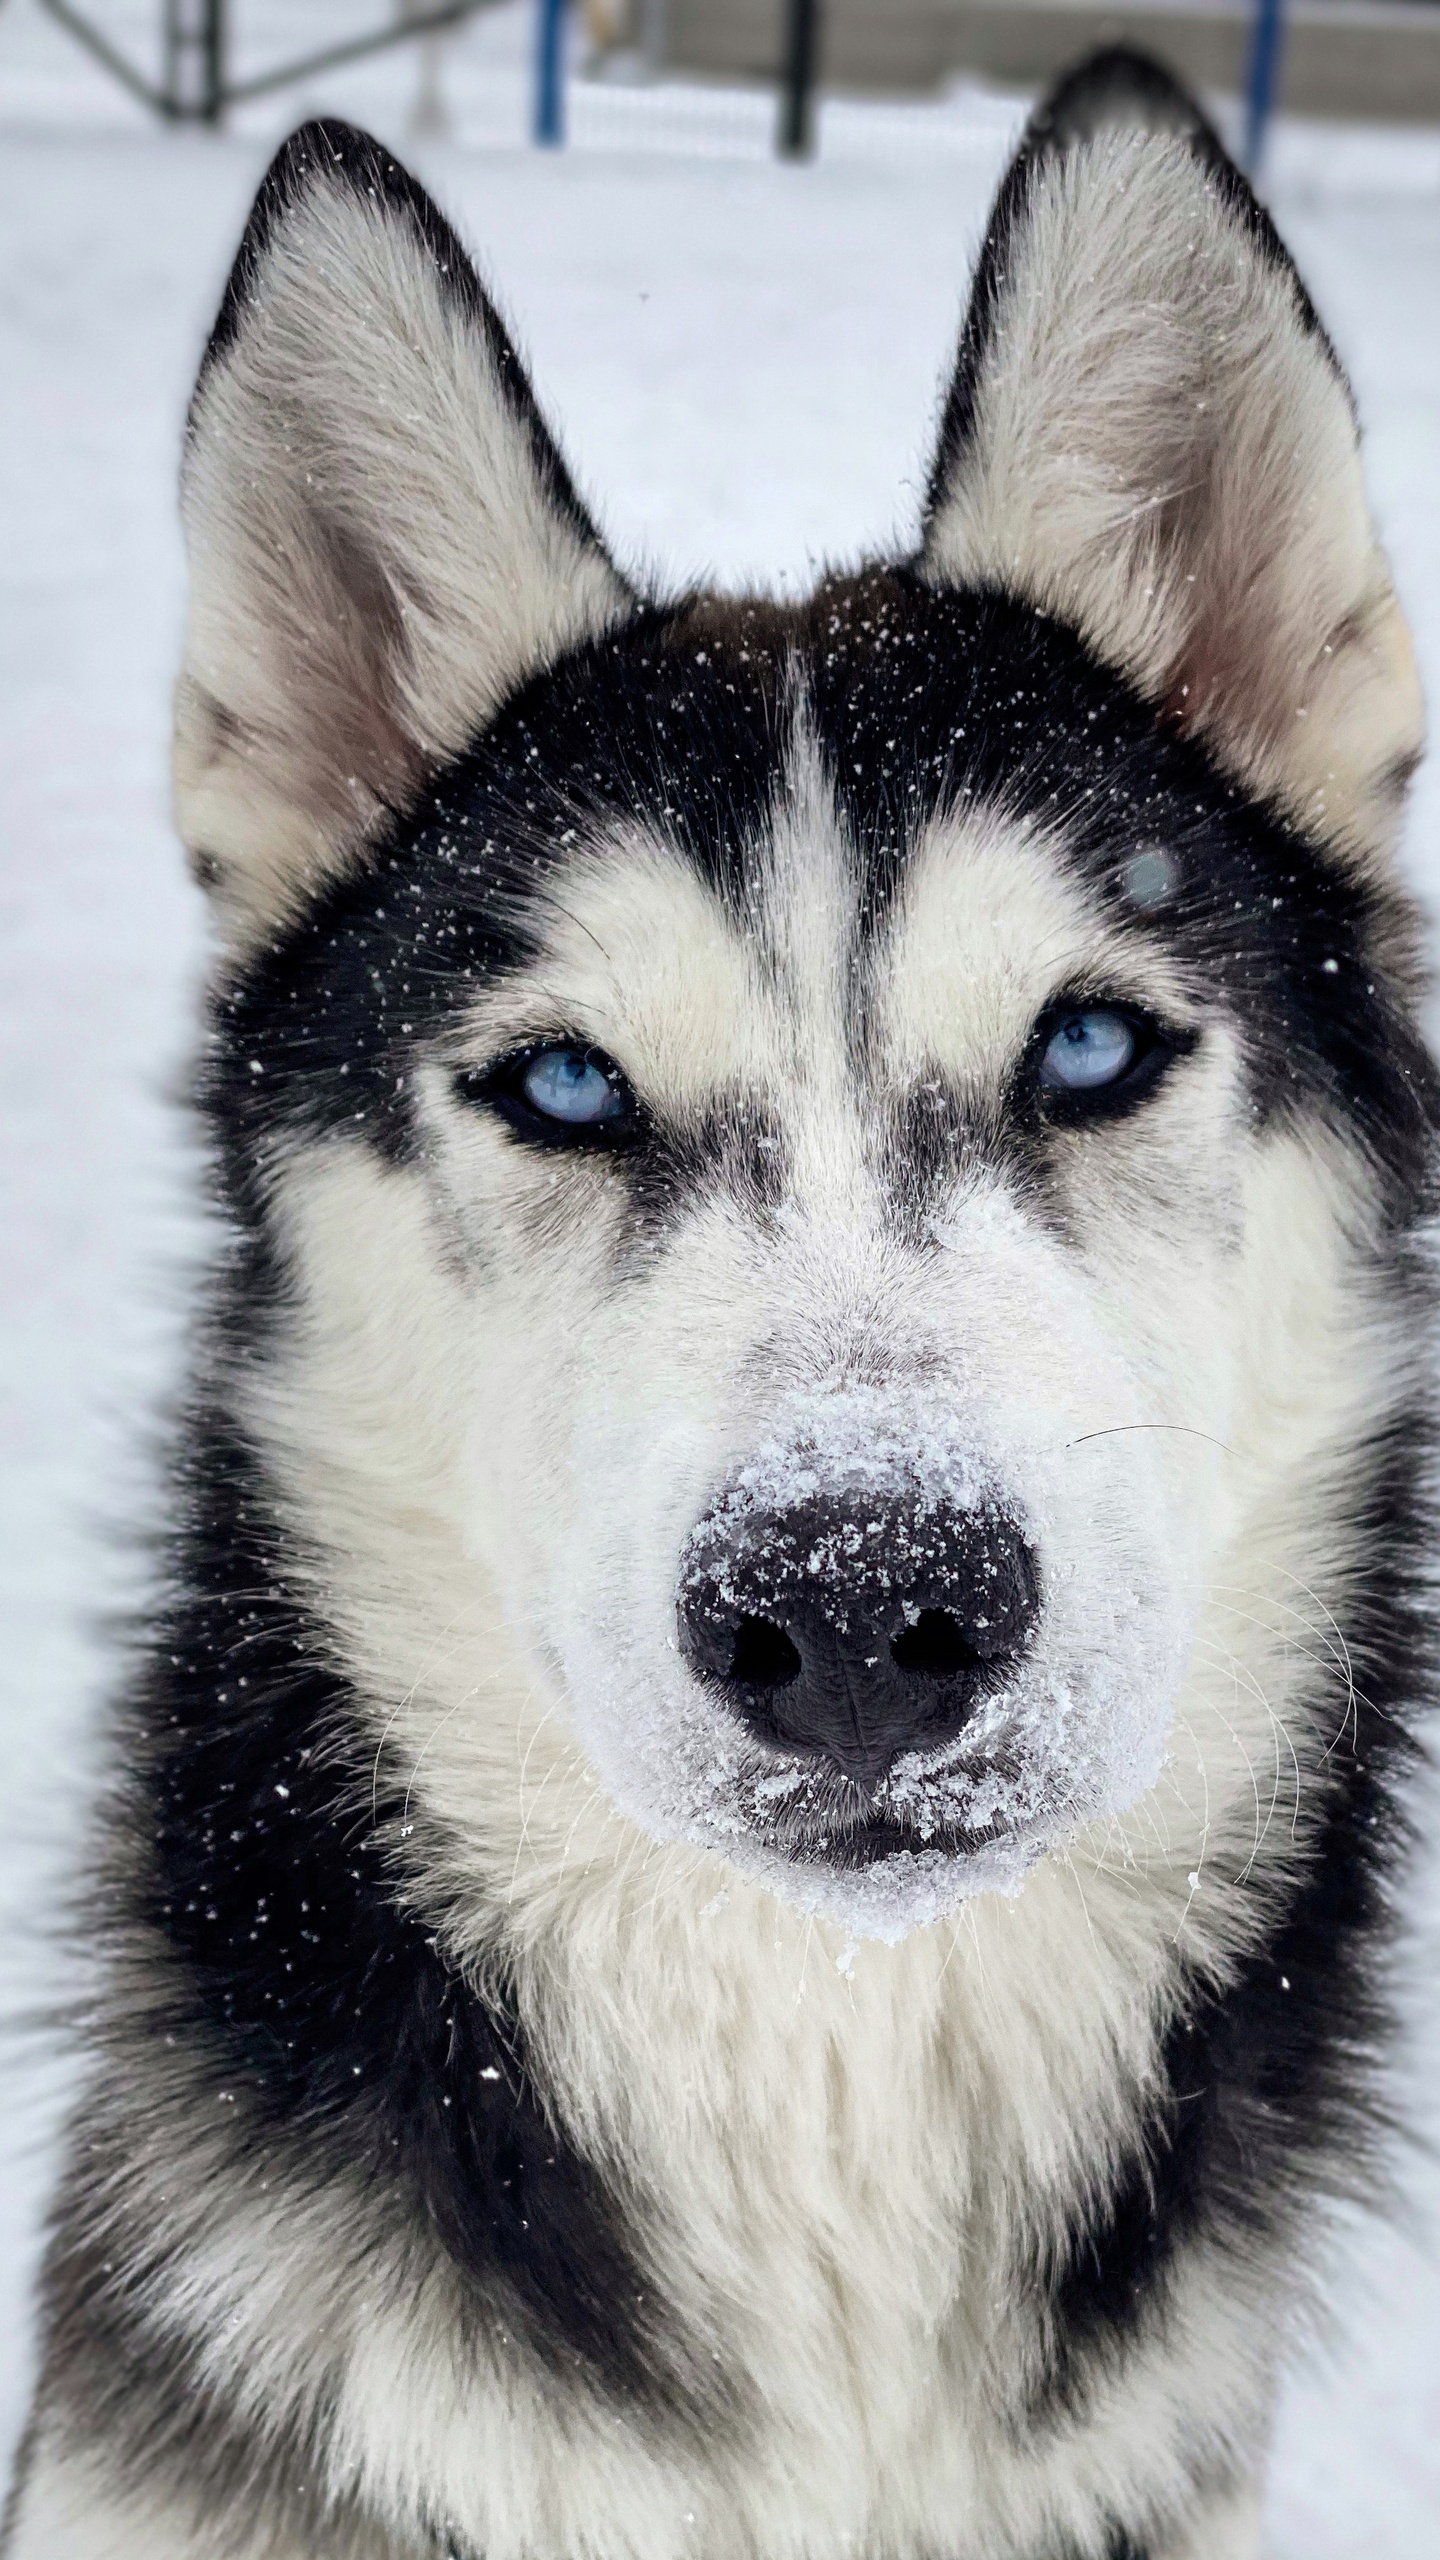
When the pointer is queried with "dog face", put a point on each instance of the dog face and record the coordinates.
(845, 1060)
(815, 1161)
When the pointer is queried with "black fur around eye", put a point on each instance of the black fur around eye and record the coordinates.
(1094, 1057)
(557, 1093)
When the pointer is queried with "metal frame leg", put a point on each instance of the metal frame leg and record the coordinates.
(194, 78)
(195, 88)
(796, 136)
(1267, 43)
(550, 73)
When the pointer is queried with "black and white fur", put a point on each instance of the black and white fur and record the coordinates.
(524, 2120)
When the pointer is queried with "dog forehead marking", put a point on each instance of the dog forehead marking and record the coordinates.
(1150, 876)
(807, 900)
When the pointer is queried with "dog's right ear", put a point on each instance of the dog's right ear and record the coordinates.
(384, 542)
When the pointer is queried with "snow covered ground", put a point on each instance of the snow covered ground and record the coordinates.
(745, 360)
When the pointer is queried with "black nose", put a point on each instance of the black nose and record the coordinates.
(858, 1628)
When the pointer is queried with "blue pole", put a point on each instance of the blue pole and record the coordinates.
(550, 73)
(1266, 41)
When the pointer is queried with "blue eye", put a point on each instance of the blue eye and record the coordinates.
(576, 1086)
(559, 1094)
(1087, 1050)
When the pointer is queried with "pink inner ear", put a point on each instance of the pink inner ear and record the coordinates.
(365, 751)
(384, 542)
(1235, 671)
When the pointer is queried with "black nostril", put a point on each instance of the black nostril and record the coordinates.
(764, 1655)
(854, 1632)
(934, 1645)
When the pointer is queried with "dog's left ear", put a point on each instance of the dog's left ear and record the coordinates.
(383, 540)
(1149, 434)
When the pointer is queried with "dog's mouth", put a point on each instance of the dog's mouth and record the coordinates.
(822, 1820)
(870, 1843)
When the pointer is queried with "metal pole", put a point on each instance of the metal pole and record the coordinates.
(213, 66)
(194, 85)
(656, 46)
(427, 115)
(797, 98)
(1266, 44)
(550, 74)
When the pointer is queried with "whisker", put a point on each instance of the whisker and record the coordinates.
(1338, 1657)
(805, 1957)
(526, 1810)
(1279, 1730)
(591, 1790)
(1184, 1725)
(1236, 1670)
(439, 1653)
(1314, 1595)
(1068, 1862)
(436, 1728)
(1113, 1430)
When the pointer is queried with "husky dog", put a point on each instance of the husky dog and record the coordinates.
(744, 1889)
